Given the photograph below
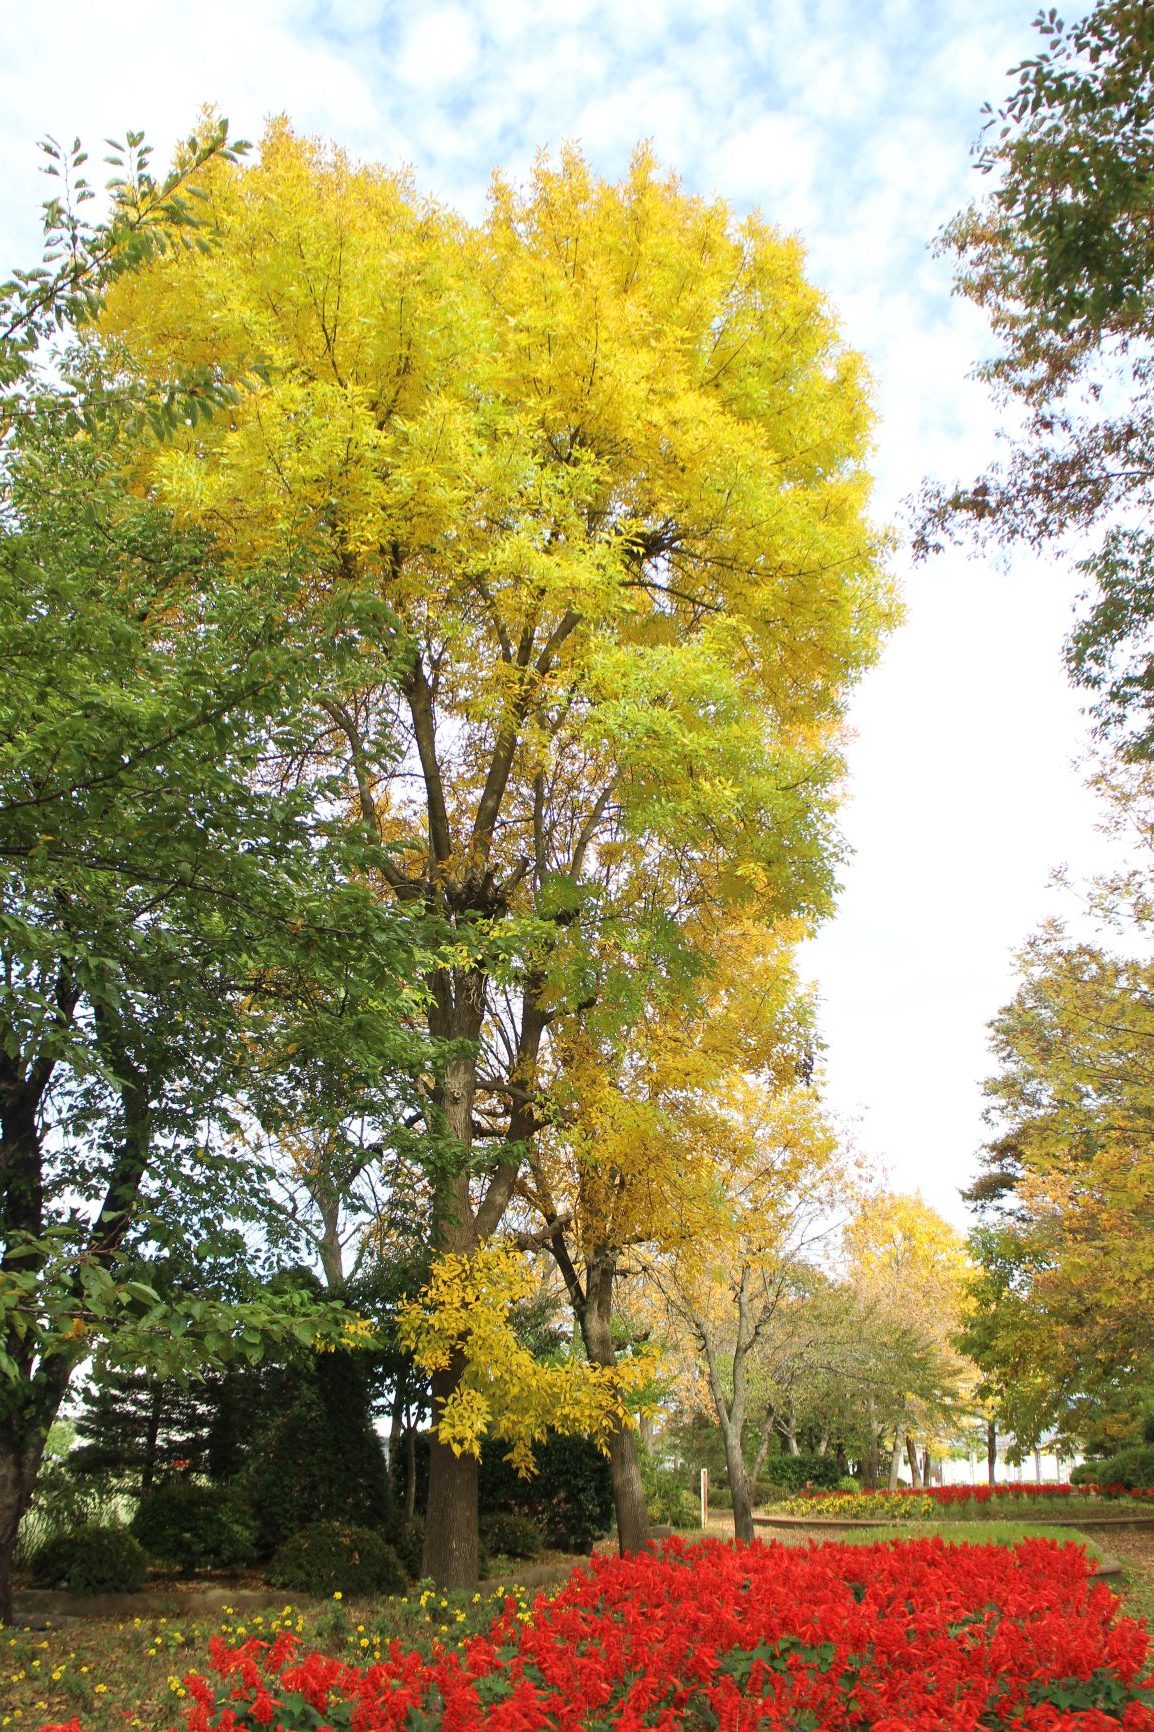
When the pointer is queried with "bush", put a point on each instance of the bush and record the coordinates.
(194, 1526)
(1132, 1468)
(409, 1544)
(570, 1495)
(667, 1498)
(796, 1471)
(337, 1557)
(91, 1560)
(512, 1535)
(720, 1497)
(321, 1460)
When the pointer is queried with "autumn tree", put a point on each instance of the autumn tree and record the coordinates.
(598, 463)
(907, 1268)
(1059, 255)
(729, 1291)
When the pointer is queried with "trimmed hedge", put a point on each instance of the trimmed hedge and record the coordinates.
(91, 1560)
(337, 1557)
(512, 1535)
(194, 1526)
(1132, 1468)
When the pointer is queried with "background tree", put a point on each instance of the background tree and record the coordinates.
(1059, 254)
(598, 464)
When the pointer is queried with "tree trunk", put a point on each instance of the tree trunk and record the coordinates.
(451, 1545)
(992, 1450)
(739, 1486)
(897, 1452)
(914, 1460)
(871, 1465)
(624, 1463)
(410, 1468)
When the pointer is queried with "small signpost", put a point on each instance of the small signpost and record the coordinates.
(705, 1497)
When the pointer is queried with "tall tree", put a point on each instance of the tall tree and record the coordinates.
(1059, 254)
(598, 463)
(158, 901)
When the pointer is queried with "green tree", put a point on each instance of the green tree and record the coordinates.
(163, 907)
(1059, 253)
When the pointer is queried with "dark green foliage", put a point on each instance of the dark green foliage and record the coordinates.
(571, 1494)
(512, 1535)
(194, 1526)
(408, 1541)
(320, 1458)
(91, 1560)
(1132, 1468)
(337, 1557)
(669, 1498)
(795, 1471)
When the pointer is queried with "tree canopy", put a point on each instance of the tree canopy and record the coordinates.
(1058, 253)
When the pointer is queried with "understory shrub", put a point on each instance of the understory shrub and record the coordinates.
(513, 1535)
(570, 1495)
(667, 1497)
(337, 1557)
(194, 1526)
(1131, 1468)
(321, 1459)
(91, 1560)
(794, 1471)
(408, 1541)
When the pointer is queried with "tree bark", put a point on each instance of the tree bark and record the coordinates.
(915, 1462)
(739, 1486)
(451, 1545)
(992, 1451)
(871, 1465)
(898, 1450)
(594, 1316)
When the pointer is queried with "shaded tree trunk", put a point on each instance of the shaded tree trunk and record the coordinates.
(451, 1544)
(739, 1485)
(595, 1317)
(897, 1452)
(915, 1462)
(992, 1451)
(871, 1462)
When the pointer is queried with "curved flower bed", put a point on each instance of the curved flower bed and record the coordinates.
(910, 1504)
(899, 1637)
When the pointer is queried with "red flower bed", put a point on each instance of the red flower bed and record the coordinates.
(900, 1637)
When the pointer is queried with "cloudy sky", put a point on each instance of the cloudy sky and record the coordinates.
(849, 121)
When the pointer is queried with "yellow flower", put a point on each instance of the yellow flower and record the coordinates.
(338, 1595)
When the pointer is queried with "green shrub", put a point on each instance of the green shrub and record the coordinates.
(91, 1560)
(337, 1557)
(667, 1498)
(194, 1526)
(720, 1497)
(320, 1460)
(408, 1541)
(795, 1471)
(570, 1495)
(1132, 1468)
(512, 1535)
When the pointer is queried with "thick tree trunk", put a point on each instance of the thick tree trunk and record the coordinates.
(740, 1487)
(451, 1545)
(897, 1453)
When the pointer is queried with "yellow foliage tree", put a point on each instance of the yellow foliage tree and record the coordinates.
(586, 484)
(462, 1319)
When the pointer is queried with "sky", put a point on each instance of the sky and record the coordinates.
(850, 123)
